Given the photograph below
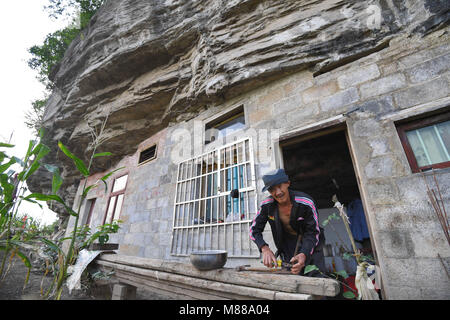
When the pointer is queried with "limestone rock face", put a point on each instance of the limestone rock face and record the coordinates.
(147, 64)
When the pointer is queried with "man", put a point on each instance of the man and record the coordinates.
(291, 214)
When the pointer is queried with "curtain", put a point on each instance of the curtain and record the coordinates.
(430, 144)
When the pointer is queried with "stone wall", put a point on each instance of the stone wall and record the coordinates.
(376, 90)
(408, 78)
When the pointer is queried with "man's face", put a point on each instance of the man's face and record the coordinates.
(280, 192)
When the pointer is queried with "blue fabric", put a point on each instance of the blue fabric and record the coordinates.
(358, 225)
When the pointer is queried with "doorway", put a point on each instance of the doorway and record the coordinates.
(320, 165)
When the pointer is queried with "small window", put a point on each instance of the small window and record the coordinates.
(120, 183)
(427, 142)
(116, 199)
(89, 209)
(224, 125)
(147, 154)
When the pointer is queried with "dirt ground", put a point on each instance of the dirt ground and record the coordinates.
(12, 287)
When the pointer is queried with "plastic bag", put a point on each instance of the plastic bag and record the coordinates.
(84, 258)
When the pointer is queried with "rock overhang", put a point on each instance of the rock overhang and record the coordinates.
(145, 64)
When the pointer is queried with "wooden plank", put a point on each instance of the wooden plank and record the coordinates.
(105, 246)
(167, 288)
(290, 296)
(162, 289)
(275, 282)
(312, 130)
(197, 283)
(194, 293)
(420, 109)
(200, 283)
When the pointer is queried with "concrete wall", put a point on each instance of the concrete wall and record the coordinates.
(408, 78)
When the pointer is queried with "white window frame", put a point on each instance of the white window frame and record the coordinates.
(115, 194)
(149, 159)
(193, 236)
(227, 116)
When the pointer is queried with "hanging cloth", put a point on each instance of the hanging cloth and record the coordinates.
(358, 224)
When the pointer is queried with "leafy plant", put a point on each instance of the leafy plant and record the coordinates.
(65, 260)
(102, 235)
(347, 255)
(331, 217)
(86, 9)
(336, 276)
(327, 221)
(45, 57)
(34, 117)
(364, 291)
(102, 275)
(16, 231)
(12, 190)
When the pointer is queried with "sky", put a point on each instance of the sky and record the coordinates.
(23, 23)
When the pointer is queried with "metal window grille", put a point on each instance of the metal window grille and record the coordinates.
(205, 216)
(147, 154)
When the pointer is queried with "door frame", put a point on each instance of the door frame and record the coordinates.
(322, 128)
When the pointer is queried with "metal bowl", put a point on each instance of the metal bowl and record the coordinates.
(208, 259)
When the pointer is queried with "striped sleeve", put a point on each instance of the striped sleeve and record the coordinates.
(312, 230)
(258, 224)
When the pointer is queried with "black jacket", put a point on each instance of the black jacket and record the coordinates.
(304, 220)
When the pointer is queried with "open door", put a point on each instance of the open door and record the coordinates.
(320, 164)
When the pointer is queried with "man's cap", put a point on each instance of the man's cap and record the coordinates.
(273, 178)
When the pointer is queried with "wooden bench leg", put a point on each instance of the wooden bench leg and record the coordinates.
(123, 292)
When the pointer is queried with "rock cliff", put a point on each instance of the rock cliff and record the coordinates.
(147, 64)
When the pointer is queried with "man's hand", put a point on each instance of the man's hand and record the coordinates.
(269, 259)
(298, 263)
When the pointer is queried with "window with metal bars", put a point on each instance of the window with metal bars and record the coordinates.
(206, 216)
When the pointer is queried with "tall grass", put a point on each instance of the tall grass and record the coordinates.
(12, 194)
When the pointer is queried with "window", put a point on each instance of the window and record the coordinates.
(205, 215)
(224, 125)
(116, 199)
(147, 154)
(427, 142)
(89, 209)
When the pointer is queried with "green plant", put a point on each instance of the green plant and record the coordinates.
(348, 254)
(102, 235)
(14, 234)
(336, 276)
(327, 221)
(19, 232)
(34, 117)
(85, 8)
(46, 56)
(65, 260)
(364, 290)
